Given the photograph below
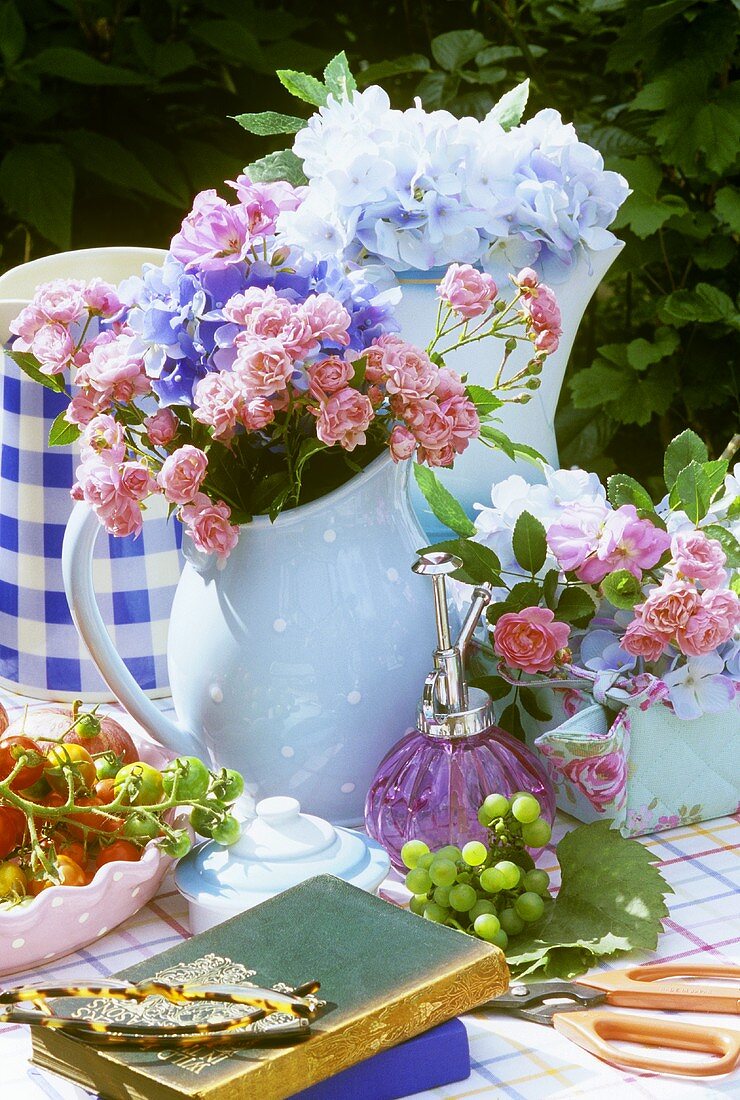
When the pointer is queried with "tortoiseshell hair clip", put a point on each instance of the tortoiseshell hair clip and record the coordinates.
(299, 1003)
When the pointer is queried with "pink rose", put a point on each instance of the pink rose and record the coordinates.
(530, 639)
(409, 372)
(669, 607)
(724, 605)
(462, 416)
(375, 364)
(602, 779)
(208, 525)
(527, 279)
(218, 404)
(182, 474)
(213, 235)
(53, 346)
(61, 300)
(344, 418)
(327, 319)
(467, 291)
(576, 534)
(26, 325)
(711, 624)
(642, 641)
(161, 428)
(328, 375)
(100, 484)
(262, 365)
(257, 414)
(262, 312)
(115, 369)
(443, 456)
(103, 433)
(136, 480)
(102, 298)
(448, 385)
(698, 558)
(81, 410)
(401, 443)
(542, 313)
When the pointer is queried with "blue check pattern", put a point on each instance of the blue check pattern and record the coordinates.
(135, 578)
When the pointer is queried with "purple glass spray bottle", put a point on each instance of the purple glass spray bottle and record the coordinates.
(433, 781)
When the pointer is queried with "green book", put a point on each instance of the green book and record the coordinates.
(386, 975)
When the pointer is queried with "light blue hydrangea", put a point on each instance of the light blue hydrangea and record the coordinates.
(417, 189)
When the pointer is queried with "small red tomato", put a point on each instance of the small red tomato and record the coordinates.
(11, 750)
(104, 791)
(118, 850)
(8, 839)
(17, 818)
(72, 849)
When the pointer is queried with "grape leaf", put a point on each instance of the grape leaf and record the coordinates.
(612, 899)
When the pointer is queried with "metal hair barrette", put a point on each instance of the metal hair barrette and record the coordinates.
(299, 1003)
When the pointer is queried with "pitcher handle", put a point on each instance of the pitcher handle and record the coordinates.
(77, 569)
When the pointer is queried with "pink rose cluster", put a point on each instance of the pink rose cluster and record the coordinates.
(541, 310)
(593, 541)
(53, 324)
(677, 613)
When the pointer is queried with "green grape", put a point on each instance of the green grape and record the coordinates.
(511, 922)
(450, 851)
(462, 897)
(411, 852)
(487, 925)
(418, 903)
(484, 818)
(529, 906)
(501, 939)
(442, 896)
(418, 881)
(537, 881)
(425, 861)
(510, 872)
(474, 853)
(491, 880)
(525, 808)
(496, 805)
(481, 906)
(465, 877)
(442, 872)
(435, 912)
(536, 834)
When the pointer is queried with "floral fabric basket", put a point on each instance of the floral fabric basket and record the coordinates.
(628, 757)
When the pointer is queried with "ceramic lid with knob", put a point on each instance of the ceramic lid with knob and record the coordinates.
(279, 848)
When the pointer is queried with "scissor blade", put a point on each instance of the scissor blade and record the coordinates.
(539, 1002)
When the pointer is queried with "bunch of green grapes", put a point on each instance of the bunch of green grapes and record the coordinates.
(490, 892)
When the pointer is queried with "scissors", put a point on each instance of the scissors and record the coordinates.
(298, 1003)
(571, 1008)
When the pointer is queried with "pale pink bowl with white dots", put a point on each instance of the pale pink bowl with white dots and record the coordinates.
(63, 919)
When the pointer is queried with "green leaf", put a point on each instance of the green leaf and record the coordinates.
(480, 564)
(510, 108)
(37, 183)
(705, 305)
(735, 583)
(524, 594)
(611, 898)
(358, 377)
(107, 159)
(622, 489)
(282, 165)
(455, 48)
(231, 38)
(309, 447)
(549, 588)
(385, 70)
(590, 386)
(62, 432)
(495, 686)
(529, 542)
(622, 589)
(497, 439)
(694, 491)
(303, 86)
(29, 365)
(12, 33)
(80, 68)
(576, 606)
(484, 400)
(643, 353)
(442, 503)
(511, 721)
(727, 207)
(685, 448)
(267, 123)
(727, 541)
(338, 77)
(716, 471)
(530, 702)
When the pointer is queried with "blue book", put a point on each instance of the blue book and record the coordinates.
(438, 1057)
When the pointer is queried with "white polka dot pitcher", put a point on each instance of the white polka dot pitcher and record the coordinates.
(301, 661)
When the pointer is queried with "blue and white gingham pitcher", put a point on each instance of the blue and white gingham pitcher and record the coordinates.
(41, 653)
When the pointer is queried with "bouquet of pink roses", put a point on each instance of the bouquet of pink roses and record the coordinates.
(241, 377)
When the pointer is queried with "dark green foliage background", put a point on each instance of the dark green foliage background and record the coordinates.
(114, 112)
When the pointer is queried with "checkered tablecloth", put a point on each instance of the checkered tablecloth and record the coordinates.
(510, 1058)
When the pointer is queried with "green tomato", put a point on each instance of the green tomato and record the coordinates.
(191, 776)
(107, 765)
(177, 845)
(140, 826)
(227, 831)
(229, 785)
(203, 821)
(141, 784)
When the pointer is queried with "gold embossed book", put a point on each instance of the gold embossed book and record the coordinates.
(385, 974)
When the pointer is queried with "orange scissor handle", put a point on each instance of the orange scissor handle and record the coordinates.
(594, 1029)
(661, 985)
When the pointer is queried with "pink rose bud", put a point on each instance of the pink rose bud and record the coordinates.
(327, 319)
(53, 346)
(257, 414)
(136, 480)
(102, 298)
(401, 443)
(182, 474)
(527, 279)
(530, 639)
(328, 375)
(207, 523)
(161, 427)
(466, 290)
(262, 367)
